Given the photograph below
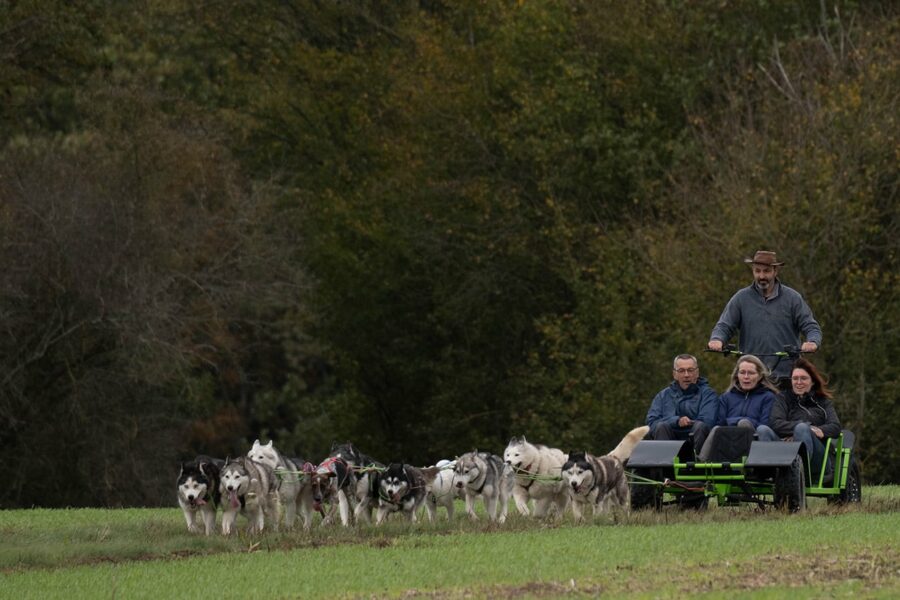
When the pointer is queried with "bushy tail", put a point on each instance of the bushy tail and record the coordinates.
(623, 450)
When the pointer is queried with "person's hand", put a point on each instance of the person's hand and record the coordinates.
(716, 345)
(818, 432)
(809, 347)
(684, 422)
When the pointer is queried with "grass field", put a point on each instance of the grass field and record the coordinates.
(147, 553)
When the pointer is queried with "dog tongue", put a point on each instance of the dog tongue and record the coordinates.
(234, 499)
(200, 502)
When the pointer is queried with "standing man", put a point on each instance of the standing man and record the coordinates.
(687, 406)
(769, 316)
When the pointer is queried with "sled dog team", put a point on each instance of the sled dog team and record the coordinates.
(272, 490)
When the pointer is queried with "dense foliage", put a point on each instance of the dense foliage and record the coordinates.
(421, 226)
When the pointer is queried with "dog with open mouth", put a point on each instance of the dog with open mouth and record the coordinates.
(600, 481)
(401, 488)
(251, 489)
(198, 492)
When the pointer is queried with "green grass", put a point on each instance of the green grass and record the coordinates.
(138, 553)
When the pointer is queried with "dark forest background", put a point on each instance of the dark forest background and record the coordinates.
(422, 226)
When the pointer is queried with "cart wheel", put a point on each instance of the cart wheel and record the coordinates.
(853, 491)
(790, 486)
(646, 495)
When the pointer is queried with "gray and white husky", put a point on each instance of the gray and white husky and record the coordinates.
(401, 488)
(249, 488)
(537, 470)
(486, 475)
(600, 481)
(294, 489)
(198, 492)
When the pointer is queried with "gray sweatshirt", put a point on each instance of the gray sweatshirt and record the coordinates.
(767, 325)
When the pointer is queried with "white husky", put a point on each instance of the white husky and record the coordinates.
(294, 490)
(442, 492)
(538, 471)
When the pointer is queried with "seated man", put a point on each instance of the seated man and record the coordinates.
(688, 406)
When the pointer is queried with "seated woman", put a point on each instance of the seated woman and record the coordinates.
(747, 402)
(805, 413)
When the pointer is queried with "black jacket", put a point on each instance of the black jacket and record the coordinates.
(790, 409)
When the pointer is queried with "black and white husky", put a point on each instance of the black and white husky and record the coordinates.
(294, 489)
(537, 470)
(363, 468)
(600, 481)
(486, 475)
(401, 488)
(249, 488)
(198, 492)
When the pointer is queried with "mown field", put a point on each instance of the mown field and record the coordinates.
(147, 553)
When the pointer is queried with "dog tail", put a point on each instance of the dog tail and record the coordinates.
(430, 474)
(631, 439)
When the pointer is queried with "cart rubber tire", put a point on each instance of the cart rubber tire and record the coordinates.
(790, 486)
(853, 491)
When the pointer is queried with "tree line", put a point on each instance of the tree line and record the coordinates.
(422, 226)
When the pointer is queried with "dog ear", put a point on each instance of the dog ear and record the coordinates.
(203, 469)
(269, 445)
(256, 443)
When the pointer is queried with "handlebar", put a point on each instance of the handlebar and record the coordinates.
(789, 351)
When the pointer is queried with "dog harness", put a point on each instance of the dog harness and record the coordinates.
(528, 471)
(328, 465)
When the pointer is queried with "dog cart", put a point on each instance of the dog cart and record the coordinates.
(741, 469)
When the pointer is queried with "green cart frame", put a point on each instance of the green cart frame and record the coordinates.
(769, 474)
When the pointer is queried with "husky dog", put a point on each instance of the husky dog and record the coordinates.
(442, 492)
(600, 481)
(361, 491)
(198, 492)
(251, 489)
(537, 469)
(486, 475)
(294, 491)
(401, 488)
(332, 482)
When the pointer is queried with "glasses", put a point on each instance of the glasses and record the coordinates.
(687, 370)
(748, 373)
